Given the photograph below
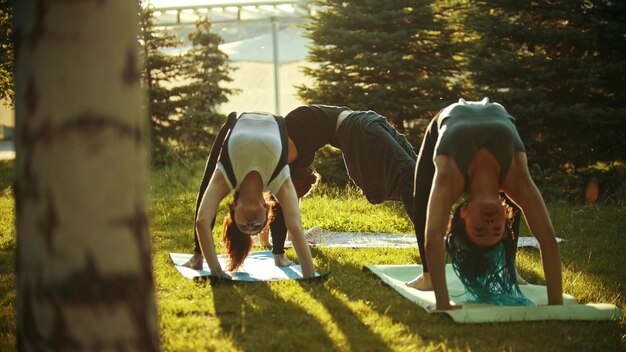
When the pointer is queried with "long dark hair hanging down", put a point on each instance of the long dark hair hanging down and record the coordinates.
(487, 273)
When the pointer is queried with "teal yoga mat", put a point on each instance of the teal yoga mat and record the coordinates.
(258, 266)
(396, 276)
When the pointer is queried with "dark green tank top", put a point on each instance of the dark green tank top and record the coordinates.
(468, 126)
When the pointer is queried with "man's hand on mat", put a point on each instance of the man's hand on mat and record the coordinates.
(281, 260)
(421, 282)
(195, 262)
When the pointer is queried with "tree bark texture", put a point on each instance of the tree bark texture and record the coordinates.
(84, 271)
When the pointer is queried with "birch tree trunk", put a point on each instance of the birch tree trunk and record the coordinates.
(84, 272)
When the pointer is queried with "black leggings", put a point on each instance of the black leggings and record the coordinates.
(278, 230)
(208, 172)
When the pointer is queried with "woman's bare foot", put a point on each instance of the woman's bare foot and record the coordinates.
(281, 260)
(195, 262)
(421, 283)
(520, 279)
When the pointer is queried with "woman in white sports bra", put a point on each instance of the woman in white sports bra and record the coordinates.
(252, 152)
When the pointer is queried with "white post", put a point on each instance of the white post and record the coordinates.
(276, 65)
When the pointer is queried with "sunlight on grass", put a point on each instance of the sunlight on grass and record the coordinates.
(310, 305)
(381, 324)
(351, 310)
(576, 282)
(589, 288)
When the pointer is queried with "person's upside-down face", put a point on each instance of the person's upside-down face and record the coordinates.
(250, 218)
(484, 222)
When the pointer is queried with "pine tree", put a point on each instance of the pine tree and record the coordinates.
(6, 52)
(205, 67)
(159, 76)
(387, 56)
(559, 68)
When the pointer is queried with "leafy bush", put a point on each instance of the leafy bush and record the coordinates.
(329, 163)
(570, 185)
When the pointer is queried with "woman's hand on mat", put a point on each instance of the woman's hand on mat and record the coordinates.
(195, 262)
(220, 274)
(223, 278)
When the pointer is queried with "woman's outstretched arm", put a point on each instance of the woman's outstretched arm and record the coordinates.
(523, 191)
(443, 193)
(215, 192)
(288, 200)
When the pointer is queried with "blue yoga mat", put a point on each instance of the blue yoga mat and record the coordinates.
(258, 266)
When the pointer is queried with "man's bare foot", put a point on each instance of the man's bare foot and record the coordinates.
(520, 279)
(281, 260)
(195, 262)
(421, 283)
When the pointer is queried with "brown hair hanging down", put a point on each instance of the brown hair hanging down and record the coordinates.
(237, 243)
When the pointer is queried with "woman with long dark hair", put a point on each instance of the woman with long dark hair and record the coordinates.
(474, 148)
(249, 156)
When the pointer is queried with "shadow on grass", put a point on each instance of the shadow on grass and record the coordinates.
(258, 319)
(428, 330)
(358, 284)
(7, 300)
(359, 336)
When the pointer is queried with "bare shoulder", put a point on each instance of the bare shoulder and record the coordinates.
(445, 165)
(448, 175)
(519, 167)
(218, 185)
(518, 180)
(286, 193)
(218, 179)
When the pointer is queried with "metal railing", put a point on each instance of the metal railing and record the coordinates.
(268, 11)
(229, 12)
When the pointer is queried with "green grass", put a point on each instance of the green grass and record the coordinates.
(351, 310)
